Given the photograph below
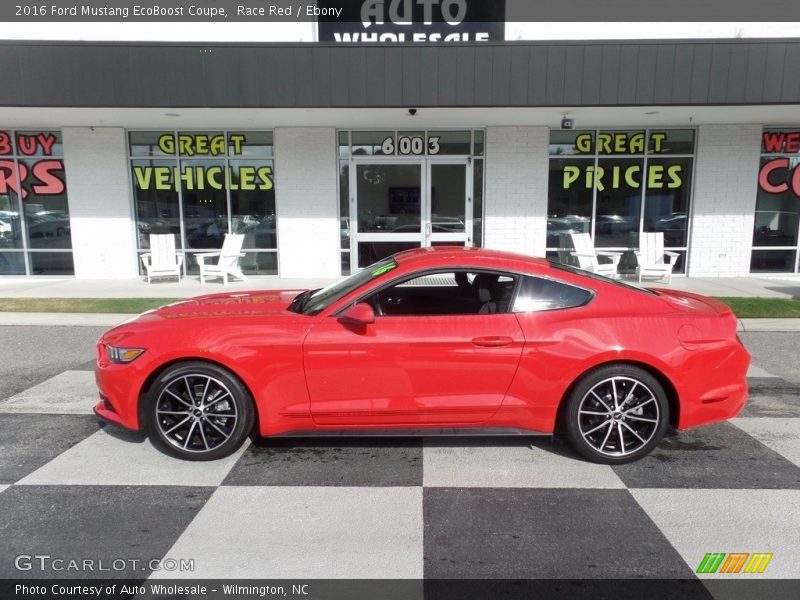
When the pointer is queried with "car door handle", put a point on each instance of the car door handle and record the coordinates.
(492, 341)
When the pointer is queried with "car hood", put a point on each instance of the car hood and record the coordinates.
(253, 303)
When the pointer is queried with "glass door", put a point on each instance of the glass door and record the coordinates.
(448, 214)
(387, 208)
(399, 204)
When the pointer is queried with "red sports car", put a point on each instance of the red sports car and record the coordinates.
(429, 339)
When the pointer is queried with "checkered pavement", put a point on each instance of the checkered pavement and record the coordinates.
(483, 507)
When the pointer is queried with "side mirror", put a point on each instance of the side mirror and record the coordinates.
(358, 314)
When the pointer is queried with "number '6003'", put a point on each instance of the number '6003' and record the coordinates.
(407, 145)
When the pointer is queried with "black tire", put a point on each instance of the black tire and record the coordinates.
(615, 432)
(199, 411)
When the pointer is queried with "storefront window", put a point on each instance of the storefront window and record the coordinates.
(35, 233)
(777, 218)
(615, 184)
(200, 185)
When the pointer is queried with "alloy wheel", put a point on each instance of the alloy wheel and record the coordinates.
(618, 416)
(196, 413)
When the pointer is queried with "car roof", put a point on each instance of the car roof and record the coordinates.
(462, 256)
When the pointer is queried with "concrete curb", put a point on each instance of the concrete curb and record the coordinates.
(63, 319)
(775, 325)
(111, 319)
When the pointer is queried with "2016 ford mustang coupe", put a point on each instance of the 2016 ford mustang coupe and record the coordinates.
(428, 339)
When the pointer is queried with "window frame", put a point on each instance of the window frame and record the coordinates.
(177, 159)
(596, 156)
(28, 251)
(762, 156)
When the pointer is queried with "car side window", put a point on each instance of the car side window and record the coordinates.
(452, 292)
(538, 294)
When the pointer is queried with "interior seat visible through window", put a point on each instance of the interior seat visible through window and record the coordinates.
(446, 293)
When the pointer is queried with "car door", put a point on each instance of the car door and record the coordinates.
(431, 358)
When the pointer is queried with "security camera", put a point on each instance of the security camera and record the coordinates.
(567, 123)
(412, 111)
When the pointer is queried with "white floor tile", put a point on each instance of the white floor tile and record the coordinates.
(754, 371)
(68, 393)
(510, 465)
(700, 521)
(119, 458)
(305, 532)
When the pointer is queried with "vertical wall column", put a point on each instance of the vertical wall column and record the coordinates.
(100, 206)
(516, 189)
(305, 194)
(724, 200)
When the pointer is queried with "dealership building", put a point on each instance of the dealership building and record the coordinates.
(329, 156)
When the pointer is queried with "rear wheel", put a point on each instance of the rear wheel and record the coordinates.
(616, 414)
(199, 411)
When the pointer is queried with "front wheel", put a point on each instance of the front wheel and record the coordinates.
(199, 411)
(616, 414)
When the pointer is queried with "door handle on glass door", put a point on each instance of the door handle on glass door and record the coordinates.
(492, 341)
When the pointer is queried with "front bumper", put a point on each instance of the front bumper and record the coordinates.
(105, 410)
(119, 386)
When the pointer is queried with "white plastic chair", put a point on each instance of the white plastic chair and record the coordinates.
(227, 264)
(652, 260)
(587, 257)
(162, 260)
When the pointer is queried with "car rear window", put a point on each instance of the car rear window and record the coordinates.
(537, 294)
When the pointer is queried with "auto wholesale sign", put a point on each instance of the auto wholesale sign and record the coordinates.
(411, 21)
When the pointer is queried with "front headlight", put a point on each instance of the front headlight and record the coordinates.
(123, 355)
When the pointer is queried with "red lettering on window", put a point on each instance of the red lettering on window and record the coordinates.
(51, 184)
(763, 176)
(796, 181)
(773, 142)
(8, 177)
(26, 144)
(793, 142)
(5, 143)
(46, 141)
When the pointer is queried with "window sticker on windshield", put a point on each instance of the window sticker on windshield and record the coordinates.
(384, 269)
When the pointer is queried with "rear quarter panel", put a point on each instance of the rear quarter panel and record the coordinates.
(696, 352)
(562, 345)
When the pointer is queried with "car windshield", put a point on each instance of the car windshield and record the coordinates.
(590, 275)
(311, 303)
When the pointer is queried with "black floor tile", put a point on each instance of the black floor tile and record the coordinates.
(714, 456)
(330, 461)
(77, 523)
(772, 397)
(31, 440)
(543, 533)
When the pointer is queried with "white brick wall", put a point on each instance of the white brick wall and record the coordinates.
(100, 206)
(305, 194)
(724, 200)
(516, 189)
